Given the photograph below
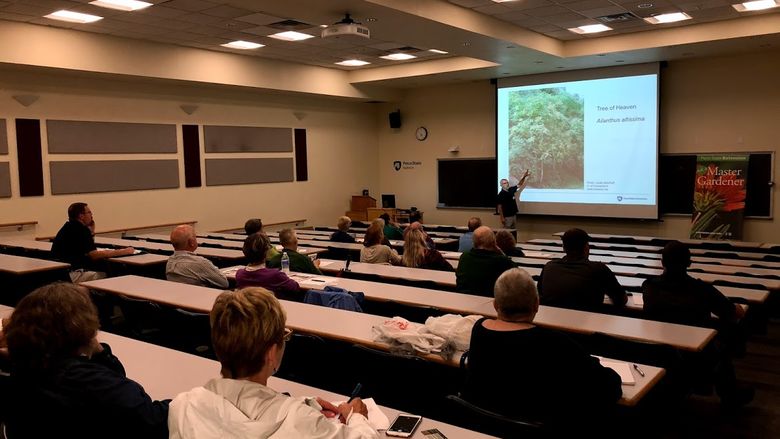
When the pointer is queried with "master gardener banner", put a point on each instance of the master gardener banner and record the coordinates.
(719, 196)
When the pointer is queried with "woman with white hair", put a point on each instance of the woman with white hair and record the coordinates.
(523, 371)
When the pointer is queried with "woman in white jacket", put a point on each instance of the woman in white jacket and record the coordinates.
(248, 333)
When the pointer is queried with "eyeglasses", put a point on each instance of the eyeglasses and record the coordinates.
(287, 335)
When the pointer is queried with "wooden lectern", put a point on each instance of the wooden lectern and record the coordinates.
(358, 207)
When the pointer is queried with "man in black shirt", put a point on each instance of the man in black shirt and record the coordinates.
(506, 205)
(574, 281)
(676, 297)
(75, 245)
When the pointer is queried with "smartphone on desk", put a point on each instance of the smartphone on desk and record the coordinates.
(404, 425)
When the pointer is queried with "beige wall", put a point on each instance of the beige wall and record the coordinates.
(341, 152)
(721, 104)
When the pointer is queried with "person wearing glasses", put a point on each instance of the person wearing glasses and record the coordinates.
(249, 335)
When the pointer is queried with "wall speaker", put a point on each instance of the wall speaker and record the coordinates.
(395, 119)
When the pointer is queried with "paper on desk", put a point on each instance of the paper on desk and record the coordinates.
(639, 300)
(376, 417)
(325, 264)
(316, 283)
(622, 369)
(532, 254)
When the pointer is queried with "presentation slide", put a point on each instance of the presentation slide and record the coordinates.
(589, 142)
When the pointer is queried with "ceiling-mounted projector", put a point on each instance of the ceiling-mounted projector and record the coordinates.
(347, 27)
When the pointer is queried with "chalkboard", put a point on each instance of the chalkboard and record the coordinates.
(470, 183)
(677, 174)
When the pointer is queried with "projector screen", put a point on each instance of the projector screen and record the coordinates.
(589, 139)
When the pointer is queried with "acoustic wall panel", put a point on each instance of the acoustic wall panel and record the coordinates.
(301, 165)
(113, 176)
(3, 137)
(247, 139)
(28, 153)
(5, 180)
(191, 146)
(86, 137)
(220, 172)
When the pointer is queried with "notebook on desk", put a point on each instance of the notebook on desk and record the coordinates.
(623, 369)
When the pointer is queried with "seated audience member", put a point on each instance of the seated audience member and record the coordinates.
(418, 226)
(479, 267)
(575, 282)
(255, 274)
(466, 241)
(186, 267)
(391, 230)
(248, 333)
(373, 251)
(255, 225)
(75, 245)
(418, 255)
(523, 371)
(676, 297)
(506, 242)
(342, 235)
(298, 262)
(64, 383)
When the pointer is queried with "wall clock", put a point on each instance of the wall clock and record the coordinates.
(421, 133)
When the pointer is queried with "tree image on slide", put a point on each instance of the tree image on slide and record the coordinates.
(546, 135)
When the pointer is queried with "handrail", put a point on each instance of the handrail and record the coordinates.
(124, 230)
(19, 224)
(264, 225)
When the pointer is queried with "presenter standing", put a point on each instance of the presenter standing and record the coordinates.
(507, 198)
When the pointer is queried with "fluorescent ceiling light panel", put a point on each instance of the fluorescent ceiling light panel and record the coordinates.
(590, 29)
(353, 63)
(121, 5)
(758, 5)
(73, 17)
(291, 36)
(671, 17)
(503, 1)
(440, 52)
(243, 45)
(398, 56)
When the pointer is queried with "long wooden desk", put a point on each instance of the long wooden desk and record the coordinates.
(356, 327)
(164, 373)
(691, 242)
(229, 244)
(213, 253)
(679, 336)
(657, 249)
(20, 265)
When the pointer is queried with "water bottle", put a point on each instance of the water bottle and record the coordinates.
(285, 263)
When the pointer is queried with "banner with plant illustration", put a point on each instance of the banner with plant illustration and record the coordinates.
(719, 196)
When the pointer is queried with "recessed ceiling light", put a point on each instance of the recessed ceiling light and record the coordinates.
(243, 45)
(645, 6)
(440, 52)
(671, 17)
(758, 5)
(590, 29)
(371, 19)
(122, 5)
(323, 26)
(504, 1)
(73, 17)
(291, 35)
(398, 56)
(353, 63)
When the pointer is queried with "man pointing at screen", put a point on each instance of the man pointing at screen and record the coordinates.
(506, 200)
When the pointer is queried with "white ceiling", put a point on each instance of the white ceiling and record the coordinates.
(484, 39)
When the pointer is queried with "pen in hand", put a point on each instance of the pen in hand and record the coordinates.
(356, 392)
(640, 371)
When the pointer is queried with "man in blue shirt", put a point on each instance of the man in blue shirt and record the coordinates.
(466, 241)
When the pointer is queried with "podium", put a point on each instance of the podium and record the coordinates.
(358, 207)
